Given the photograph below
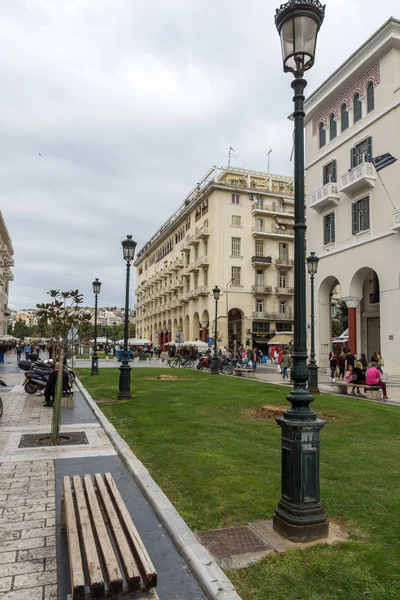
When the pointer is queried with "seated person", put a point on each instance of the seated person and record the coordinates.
(358, 376)
(373, 377)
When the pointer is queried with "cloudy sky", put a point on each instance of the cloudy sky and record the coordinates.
(129, 102)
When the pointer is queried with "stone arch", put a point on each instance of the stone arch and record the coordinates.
(196, 327)
(174, 330)
(236, 337)
(323, 325)
(186, 328)
(205, 326)
(364, 313)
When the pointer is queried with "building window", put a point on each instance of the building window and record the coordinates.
(236, 221)
(260, 225)
(235, 246)
(259, 251)
(283, 252)
(205, 276)
(260, 306)
(361, 153)
(370, 97)
(196, 280)
(235, 198)
(187, 223)
(260, 278)
(357, 108)
(329, 229)
(261, 327)
(344, 117)
(360, 215)
(332, 127)
(329, 173)
(260, 202)
(205, 248)
(282, 279)
(140, 270)
(283, 327)
(235, 275)
(322, 135)
(282, 308)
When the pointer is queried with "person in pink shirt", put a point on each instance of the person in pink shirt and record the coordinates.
(373, 377)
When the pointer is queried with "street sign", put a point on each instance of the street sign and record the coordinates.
(210, 341)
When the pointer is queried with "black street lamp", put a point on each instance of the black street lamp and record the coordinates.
(300, 515)
(95, 359)
(128, 248)
(312, 268)
(214, 361)
(114, 335)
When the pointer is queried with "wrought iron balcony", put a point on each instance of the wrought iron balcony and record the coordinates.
(265, 261)
(201, 233)
(284, 291)
(262, 289)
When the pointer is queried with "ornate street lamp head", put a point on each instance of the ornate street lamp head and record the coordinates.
(96, 286)
(128, 248)
(216, 292)
(312, 264)
(298, 23)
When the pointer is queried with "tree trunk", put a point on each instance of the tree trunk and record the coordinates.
(56, 420)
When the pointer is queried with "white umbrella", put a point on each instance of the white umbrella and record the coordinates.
(197, 343)
(138, 341)
(8, 338)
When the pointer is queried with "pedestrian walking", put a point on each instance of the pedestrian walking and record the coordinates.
(19, 351)
(350, 360)
(285, 363)
(3, 350)
(333, 361)
(27, 350)
(341, 361)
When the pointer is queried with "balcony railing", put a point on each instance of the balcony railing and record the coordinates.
(396, 226)
(275, 230)
(325, 197)
(262, 289)
(183, 298)
(203, 291)
(203, 261)
(274, 208)
(177, 264)
(287, 316)
(261, 260)
(284, 291)
(201, 233)
(363, 175)
(284, 262)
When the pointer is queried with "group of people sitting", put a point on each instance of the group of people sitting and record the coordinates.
(353, 370)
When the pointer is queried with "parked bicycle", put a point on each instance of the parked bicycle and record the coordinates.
(181, 361)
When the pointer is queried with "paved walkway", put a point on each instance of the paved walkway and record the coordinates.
(33, 549)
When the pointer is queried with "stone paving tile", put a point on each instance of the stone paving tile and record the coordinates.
(32, 593)
(36, 553)
(5, 584)
(35, 579)
(50, 592)
(21, 568)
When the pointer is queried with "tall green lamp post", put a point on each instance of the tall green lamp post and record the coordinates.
(95, 359)
(312, 268)
(300, 515)
(124, 392)
(214, 361)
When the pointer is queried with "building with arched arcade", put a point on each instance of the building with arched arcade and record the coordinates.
(234, 230)
(353, 207)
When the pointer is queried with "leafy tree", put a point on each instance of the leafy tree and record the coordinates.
(21, 329)
(61, 315)
(340, 323)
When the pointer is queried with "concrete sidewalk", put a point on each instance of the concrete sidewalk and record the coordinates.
(33, 549)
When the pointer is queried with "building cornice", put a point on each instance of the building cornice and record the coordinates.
(384, 39)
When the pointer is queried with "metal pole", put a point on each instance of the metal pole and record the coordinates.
(95, 358)
(300, 514)
(312, 365)
(214, 362)
(125, 369)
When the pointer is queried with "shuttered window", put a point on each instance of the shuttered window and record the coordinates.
(361, 153)
(357, 107)
(322, 135)
(329, 173)
(360, 215)
(235, 275)
(329, 229)
(370, 97)
(235, 246)
(344, 117)
(332, 127)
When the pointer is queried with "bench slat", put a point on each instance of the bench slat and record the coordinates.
(113, 572)
(146, 566)
(74, 551)
(131, 568)
(96, 580)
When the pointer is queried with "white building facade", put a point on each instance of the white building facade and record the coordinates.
(234, 230)
(353, 213)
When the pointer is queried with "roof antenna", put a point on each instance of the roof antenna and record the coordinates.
(268, 157)
(231, 155)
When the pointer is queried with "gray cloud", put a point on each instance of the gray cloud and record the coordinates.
(129, 103)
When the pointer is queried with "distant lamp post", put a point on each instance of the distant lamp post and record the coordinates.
(95, 359)
(128, 249)
(300, 515)
(312, 268)
(114, 335)
(214, 362)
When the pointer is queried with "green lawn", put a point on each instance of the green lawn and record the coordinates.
(220, 467)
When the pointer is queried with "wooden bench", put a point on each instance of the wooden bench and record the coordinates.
(371, 391)
(244, 373)
(106, 553)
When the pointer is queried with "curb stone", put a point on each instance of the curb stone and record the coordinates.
(210, 577)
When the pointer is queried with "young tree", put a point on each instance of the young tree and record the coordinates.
(61, 315)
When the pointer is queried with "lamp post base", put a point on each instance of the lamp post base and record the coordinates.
(300, 515)
(95, 365)
(313, 379)
(124, 391)
(214, 366)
